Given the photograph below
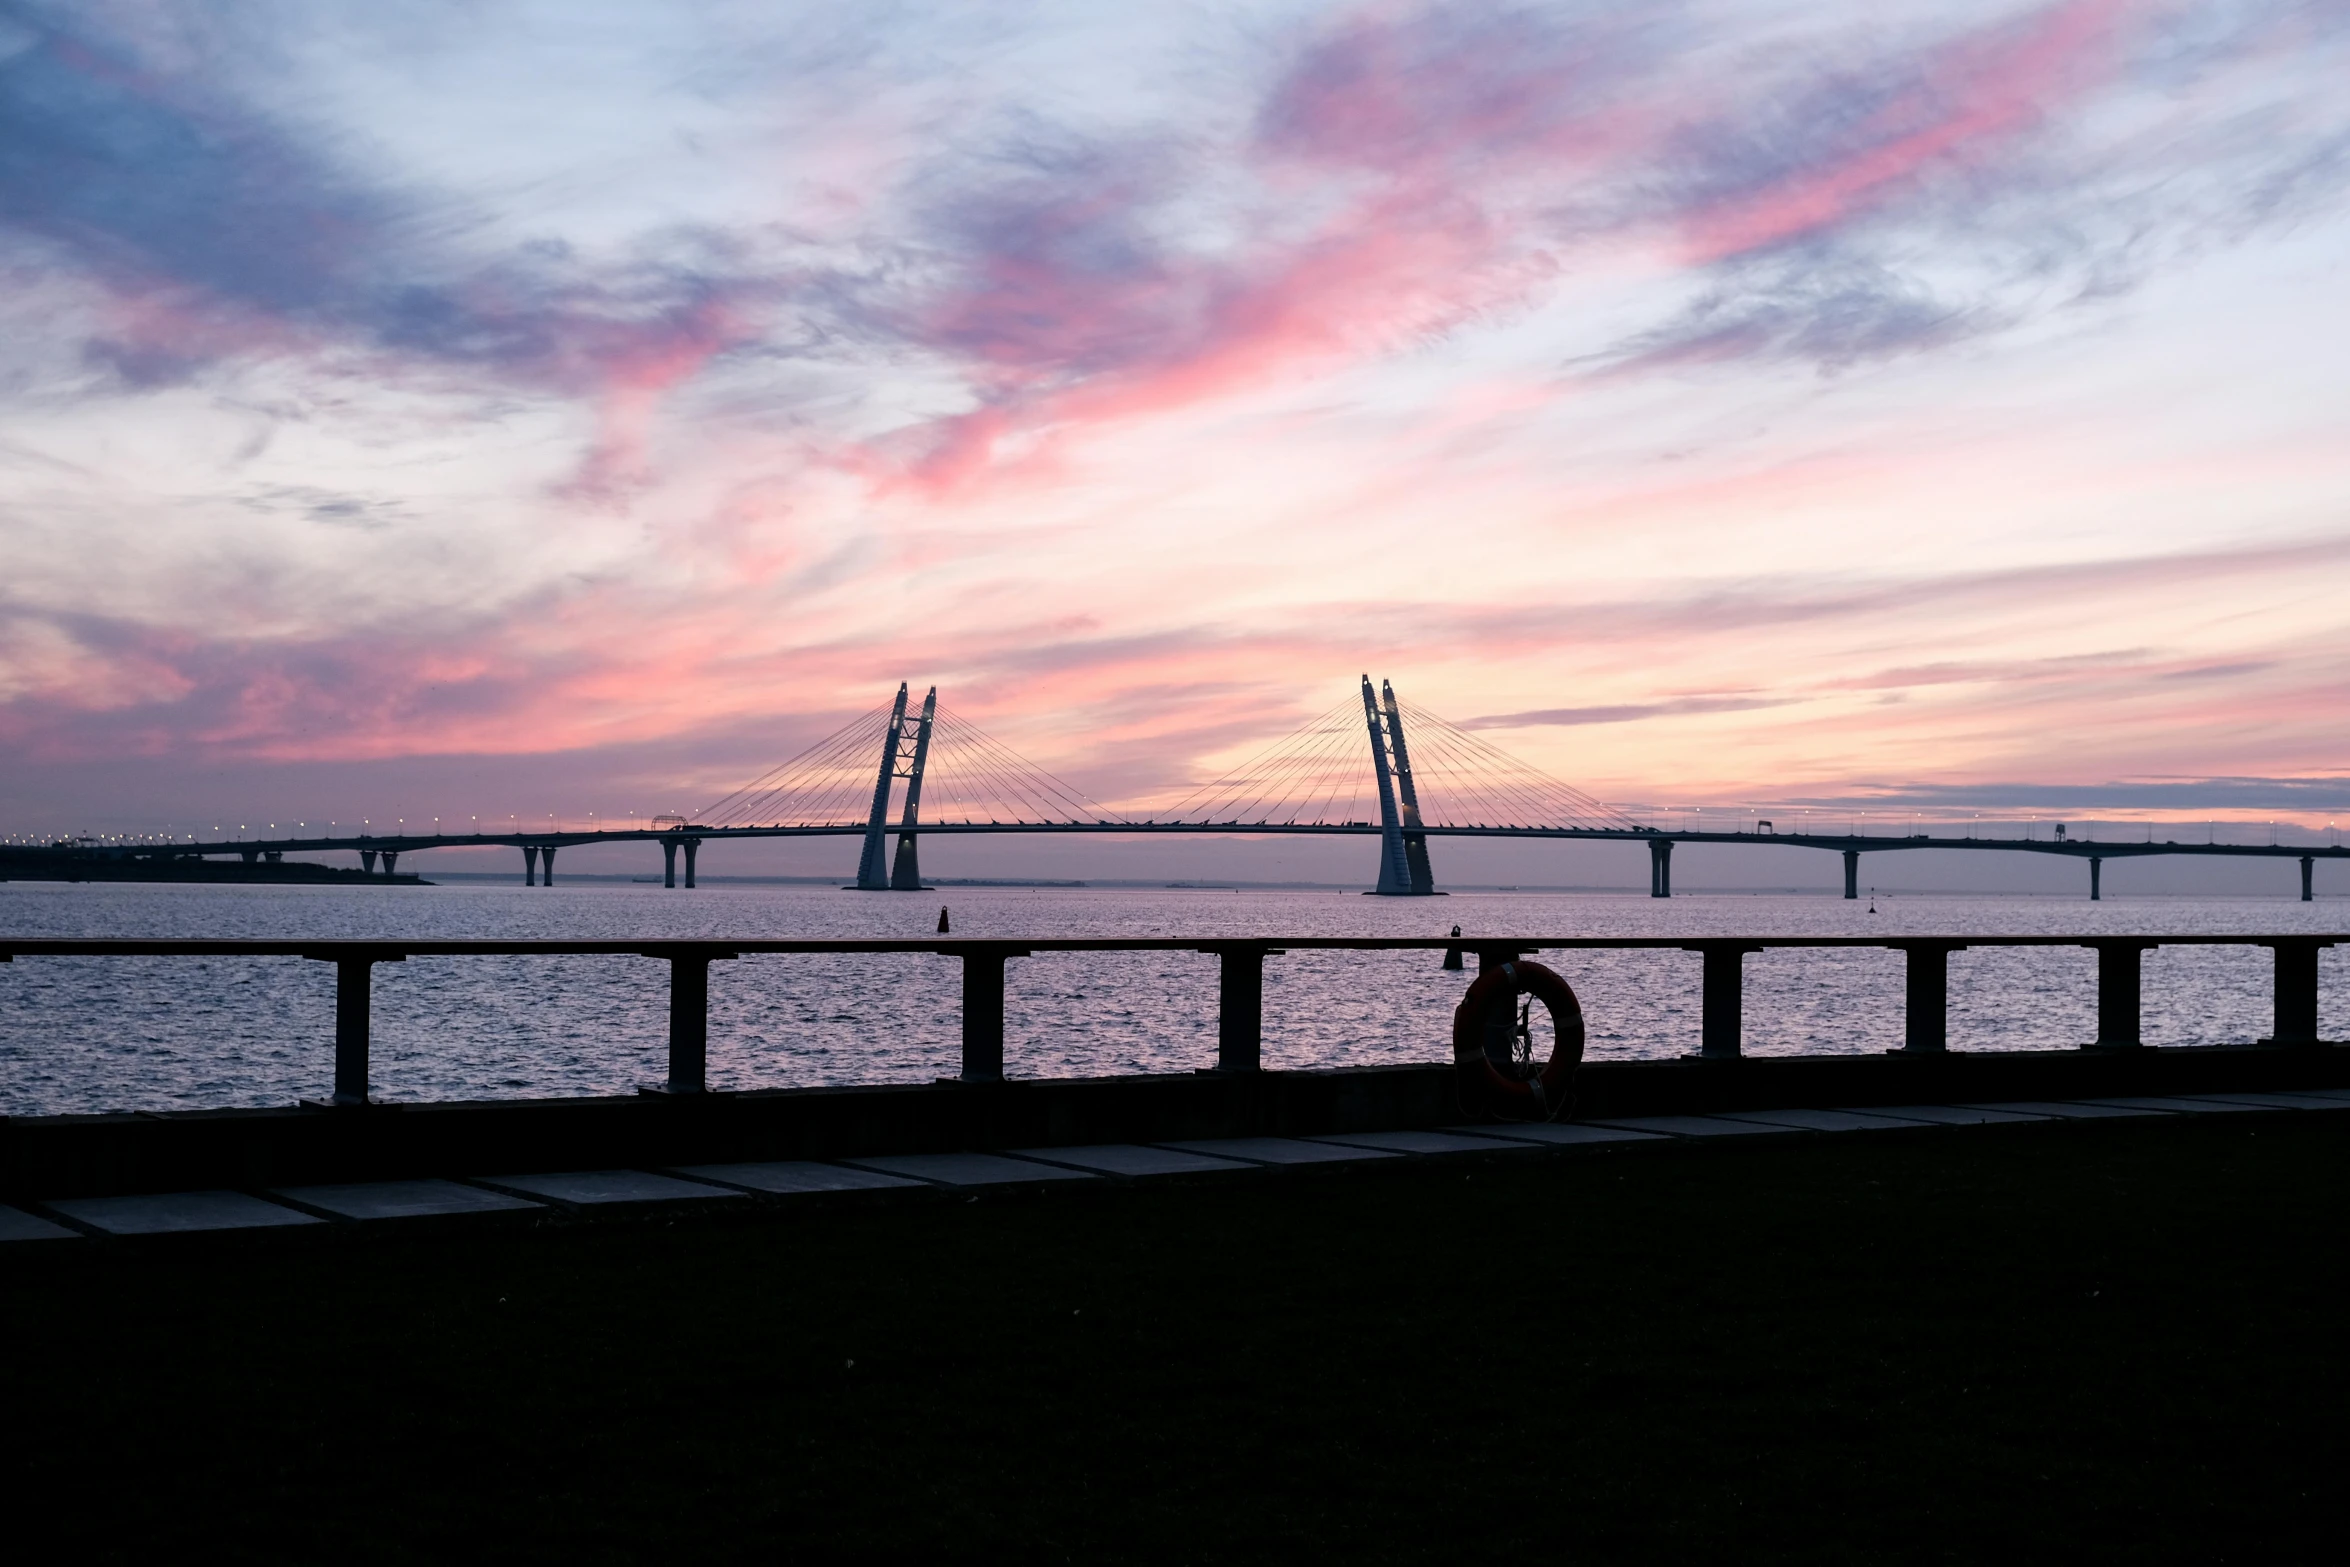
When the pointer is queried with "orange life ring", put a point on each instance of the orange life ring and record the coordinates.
(1483, 1080)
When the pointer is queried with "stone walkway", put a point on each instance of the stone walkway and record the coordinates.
(390, 1203)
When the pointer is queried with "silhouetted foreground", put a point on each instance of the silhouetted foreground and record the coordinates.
(2113, 1341)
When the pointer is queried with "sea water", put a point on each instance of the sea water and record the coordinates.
(88, 1034)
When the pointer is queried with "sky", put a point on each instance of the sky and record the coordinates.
(522, 410)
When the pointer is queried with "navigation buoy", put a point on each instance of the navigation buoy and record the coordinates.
(1452, 954)
(942, 919)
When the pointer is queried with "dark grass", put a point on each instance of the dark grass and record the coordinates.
(2116, 1342)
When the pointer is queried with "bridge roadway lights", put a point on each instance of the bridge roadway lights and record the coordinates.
(1660, 867)
(1852, 873)
(1926, 1015)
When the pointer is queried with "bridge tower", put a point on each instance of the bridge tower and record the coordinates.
(1395, 869)
(871, 875)
(907, 875)
(1415, 844)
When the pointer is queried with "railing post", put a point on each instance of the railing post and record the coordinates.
(689, 1016)
(1723, 1026)
(2296, 1015)
(354, 986)
(2118, 998)
(983, 1008)
(1240, 1006)
(1926, 1023)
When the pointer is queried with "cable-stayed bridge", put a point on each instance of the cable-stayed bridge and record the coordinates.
(1375, 767)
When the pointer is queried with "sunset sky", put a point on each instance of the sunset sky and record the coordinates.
(462, 408)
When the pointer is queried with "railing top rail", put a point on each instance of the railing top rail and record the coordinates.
(389, 946)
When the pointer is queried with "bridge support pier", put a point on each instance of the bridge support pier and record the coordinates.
(530, 865)
(2096, 878)
(546, 865)
(2296, 993)
(1660, 867)
(693, 846)
(2119, 1001)
(367, 861)
(2307, 862)
(1852, 873)
(274, 856)
(391, 861)
(250, 856)
(669, 862)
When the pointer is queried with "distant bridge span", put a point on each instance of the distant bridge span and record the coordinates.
(1310, 783)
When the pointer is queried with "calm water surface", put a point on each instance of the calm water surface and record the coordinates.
(81, 1034)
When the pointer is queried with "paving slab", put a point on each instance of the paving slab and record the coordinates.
(1957, 1115)
(609, 1188)
(179, 1213)
(2072, 1109)
(1826, 1120)
(403, 1199)
(1133, 1159)
(1555, 1134)
(17, 1225)
(1696, 1126)
(1280, 1150)
(2283, 1101)
(2182, 1105)
(793, 1176)
(1415, 1142)
(971, 1169)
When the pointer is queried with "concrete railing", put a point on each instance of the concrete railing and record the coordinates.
(1240, 1019)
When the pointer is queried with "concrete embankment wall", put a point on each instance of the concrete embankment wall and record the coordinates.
(92, 1155)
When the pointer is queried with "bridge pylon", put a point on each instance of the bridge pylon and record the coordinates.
(905, 748)
(1395, 866)
(1415, 844)
(871, 876)
(906, 875)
